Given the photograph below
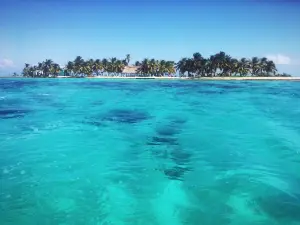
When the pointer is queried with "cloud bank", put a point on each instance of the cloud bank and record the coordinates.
(6, 63)
(279, 59)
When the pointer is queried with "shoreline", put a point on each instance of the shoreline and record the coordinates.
(202, 78)
(176, 78)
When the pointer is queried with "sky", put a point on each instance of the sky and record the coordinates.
(34, 30)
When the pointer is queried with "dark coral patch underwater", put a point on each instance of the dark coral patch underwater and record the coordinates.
(168, 129)
(125, 116)
(13, 113)
(281, 206)
(163, 141)
(176, 172)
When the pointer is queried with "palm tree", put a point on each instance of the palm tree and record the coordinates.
(87, 68)
(127, 59)
(254, 66)
(198, 63)
(205, 69)
(234, 67)
(262, 66)
(31, 71)
(26, 70)
(98, 66)
(190, 67)
(161, 68)
(143, 67)
(227, 66)
(212, 66)
(181, 66)
(111, 65)
(40, 66)
(105, 64)
(47, 67)
(92, 67)
(219, 64)
(270, 68)
(119, 66)
(186, 65)
(153, 67)
(243, 67)
(70, 67)
(35, 72)
(170, 67)
(78, 60)
(78, 65)
(55, 69)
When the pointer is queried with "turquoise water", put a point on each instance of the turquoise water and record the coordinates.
(109, 152)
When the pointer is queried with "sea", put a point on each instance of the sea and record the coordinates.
(149, 152)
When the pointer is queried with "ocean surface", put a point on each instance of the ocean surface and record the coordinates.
(149, 152)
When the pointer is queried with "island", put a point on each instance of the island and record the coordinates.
(220, 66)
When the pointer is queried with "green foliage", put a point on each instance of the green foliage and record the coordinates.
(220, 64)
(43, 69)
(283, 75)
(155, 67)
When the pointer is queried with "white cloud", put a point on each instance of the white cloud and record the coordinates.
(4, 63)
(279, 59)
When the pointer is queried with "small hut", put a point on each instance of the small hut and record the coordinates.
(130, 71)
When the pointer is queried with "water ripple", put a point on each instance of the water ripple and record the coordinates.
(79, 151)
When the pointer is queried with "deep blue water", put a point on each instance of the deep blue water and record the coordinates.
(133, 152)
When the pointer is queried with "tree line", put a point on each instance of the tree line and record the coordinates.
(78, 67)
(220, 64)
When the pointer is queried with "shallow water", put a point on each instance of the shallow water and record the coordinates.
(109, 152)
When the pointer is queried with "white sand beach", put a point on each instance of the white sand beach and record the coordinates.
(202, 78)
(179, 78)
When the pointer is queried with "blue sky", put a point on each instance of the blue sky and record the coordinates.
(33, 30)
